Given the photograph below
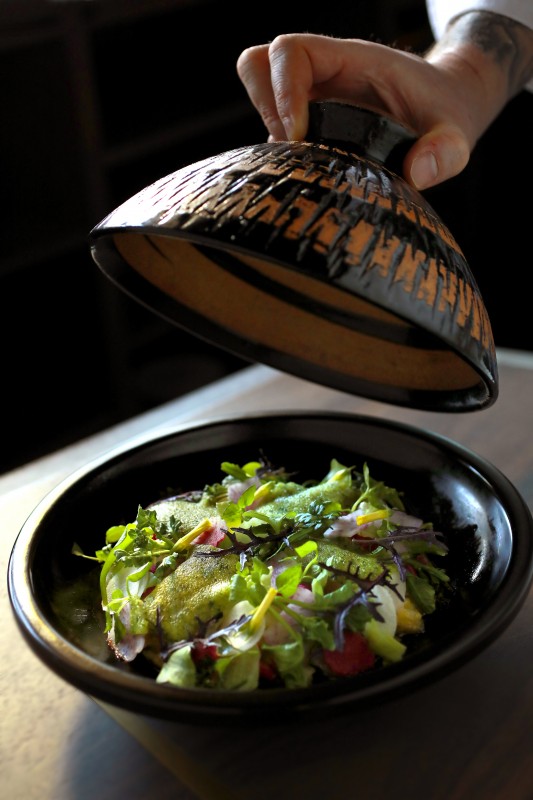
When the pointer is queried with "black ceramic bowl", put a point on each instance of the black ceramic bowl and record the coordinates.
(489, 531)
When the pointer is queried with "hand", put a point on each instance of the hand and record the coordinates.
(449, 96)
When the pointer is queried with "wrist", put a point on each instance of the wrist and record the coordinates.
(489, 58)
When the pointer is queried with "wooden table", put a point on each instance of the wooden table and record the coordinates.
(469, 735)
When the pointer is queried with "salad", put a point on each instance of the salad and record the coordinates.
(261, 581)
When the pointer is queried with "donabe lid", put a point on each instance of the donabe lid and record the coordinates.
(315, 258)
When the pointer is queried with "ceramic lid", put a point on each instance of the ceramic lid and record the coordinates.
(315, 258)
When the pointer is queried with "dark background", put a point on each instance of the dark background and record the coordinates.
(99, 99)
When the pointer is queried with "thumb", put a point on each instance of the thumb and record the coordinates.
(437, 156)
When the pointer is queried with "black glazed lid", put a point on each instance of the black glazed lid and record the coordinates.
(315, 258)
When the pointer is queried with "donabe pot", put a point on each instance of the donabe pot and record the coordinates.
(488, 527)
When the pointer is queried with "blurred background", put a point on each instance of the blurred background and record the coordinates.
(99, 98)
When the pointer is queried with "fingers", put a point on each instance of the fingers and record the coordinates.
(436, 156)
(253, 68)
(282, 77)
(291, 74)
(278, 79)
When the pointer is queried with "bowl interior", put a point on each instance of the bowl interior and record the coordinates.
(488, 528)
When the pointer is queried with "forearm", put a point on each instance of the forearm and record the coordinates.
(492, 58)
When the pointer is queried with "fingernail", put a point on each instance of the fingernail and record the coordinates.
(424, 170)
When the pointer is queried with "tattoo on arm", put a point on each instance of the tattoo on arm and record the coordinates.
(506, 41)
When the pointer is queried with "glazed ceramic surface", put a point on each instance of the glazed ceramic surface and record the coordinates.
(316, 258)
(489, 530)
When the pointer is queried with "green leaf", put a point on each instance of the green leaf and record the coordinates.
(318, 630)
(238, 589)
(290, 663)
(239, 672)
(421, 593)
(113, 534)
(140, 573)
(179, 669)
(378, 494)
(287, 581)
(231, 513)
(337, 470)
(240, 473)
(306, 548)
(336, 597)
(167, 565)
